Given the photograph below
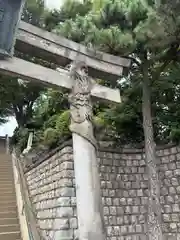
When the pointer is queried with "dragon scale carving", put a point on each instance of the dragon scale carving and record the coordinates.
(80, 102)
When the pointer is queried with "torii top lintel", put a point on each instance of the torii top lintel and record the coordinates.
(49, 46)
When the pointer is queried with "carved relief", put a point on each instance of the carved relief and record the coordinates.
(80, 102)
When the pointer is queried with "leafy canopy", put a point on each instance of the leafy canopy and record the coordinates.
(145, 31)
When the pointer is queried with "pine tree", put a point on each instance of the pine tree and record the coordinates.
(141, 31)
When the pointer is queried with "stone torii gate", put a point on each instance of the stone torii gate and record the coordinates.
(83, 89)
(82, 64)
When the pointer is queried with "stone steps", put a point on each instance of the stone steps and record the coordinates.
(11, 208)
(9, 228)
(6, 221)
(7, 198)
(8, 214)
(10, 235)
(8, 203)
(9, 223)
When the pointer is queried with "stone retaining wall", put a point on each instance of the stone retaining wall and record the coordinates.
(124, 193)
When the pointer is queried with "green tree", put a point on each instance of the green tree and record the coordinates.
(52, 19)
(141, 31)
(98, 5)
(34, 11)
(4, 113)
(69, 10)
(167, 101)
(126, 118)
(19, 98)
(51, 119)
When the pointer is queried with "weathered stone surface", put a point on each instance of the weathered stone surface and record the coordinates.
(73, 223)
(63, 234)
(124, 189)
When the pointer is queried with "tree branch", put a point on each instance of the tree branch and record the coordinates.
(135, 61)
(157, 74)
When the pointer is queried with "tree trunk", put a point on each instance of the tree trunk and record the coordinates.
(18, 115)
(154, 207)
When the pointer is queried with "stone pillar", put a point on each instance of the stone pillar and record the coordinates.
(7, 145)
(88, 194)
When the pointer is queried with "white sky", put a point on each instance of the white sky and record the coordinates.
(54, 3)
(9, 127)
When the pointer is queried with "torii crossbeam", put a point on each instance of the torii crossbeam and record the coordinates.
(32, 72)
(40, 43)
(83, 89)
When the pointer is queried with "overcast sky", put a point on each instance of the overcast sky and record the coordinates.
(54, 3)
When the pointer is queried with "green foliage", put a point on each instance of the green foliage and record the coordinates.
(69, 10)
(59, 130)
(62, 123)
(98, 5)
(142, 31)
(50, 118)
(20, 138)
(34, 12)
(166, 103)
(175, 135)
(126, 118)
(50, 104)
(18, 98)
(52, 19)
(145, 31)
(50, 137)
(100, 119)
(123, 27)
(51, 122)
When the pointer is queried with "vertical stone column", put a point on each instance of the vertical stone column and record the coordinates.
(7, 144)
(88, 194)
